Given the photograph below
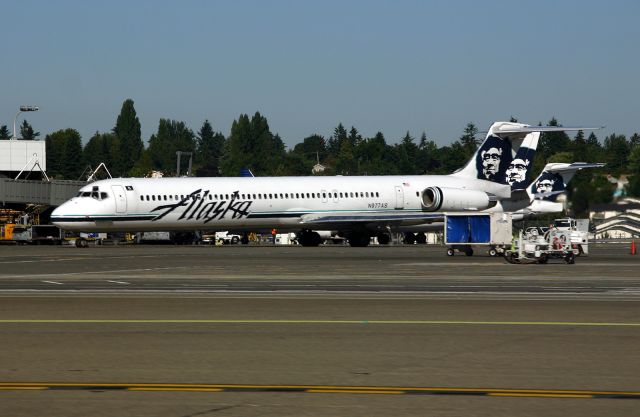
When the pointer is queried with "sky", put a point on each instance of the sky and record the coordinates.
(389, 66)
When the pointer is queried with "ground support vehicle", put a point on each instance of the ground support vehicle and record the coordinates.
(37, 234)
(577, 233)
(536, 248)
(462, 232)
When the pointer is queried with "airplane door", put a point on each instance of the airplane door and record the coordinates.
(399, 198)
(121, 198)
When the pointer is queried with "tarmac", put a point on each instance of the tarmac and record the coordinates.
(334, 330)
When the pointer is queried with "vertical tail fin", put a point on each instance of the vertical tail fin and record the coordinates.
(506, 155)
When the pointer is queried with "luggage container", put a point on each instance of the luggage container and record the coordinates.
(464, 231)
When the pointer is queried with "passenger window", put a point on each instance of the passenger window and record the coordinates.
(254, 196)
(286, 195)
(377, 195)
(153, 197)
(141, 198)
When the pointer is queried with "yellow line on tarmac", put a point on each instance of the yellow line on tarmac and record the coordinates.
(175, 389)
(552, 395)
(352, 391)
(250, 321)
(335, 389)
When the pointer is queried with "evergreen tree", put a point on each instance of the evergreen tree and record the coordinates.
(102, 147)
(553, 142)
(633, 188)
(335, 141)
(407, 152)
(172, 136)
(27, 132)
(4, 133)
(64, 154)
(616, 149)
(127, 129)
(427, 161)
(252, 145)
(580, 150)
(210, 146)
(468, 140)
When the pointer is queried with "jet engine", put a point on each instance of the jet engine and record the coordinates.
(453, 199)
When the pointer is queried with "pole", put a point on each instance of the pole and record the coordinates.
(14, 125)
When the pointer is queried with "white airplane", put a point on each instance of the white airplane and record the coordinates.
(359, 206)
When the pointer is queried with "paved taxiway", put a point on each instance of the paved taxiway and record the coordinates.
(268, 318)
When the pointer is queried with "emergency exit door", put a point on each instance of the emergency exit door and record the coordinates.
(120, 197)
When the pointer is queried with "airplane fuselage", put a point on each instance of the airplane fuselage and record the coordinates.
(244, 203)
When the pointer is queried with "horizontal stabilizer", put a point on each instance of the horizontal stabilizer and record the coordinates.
(576, 166)
(510, 128)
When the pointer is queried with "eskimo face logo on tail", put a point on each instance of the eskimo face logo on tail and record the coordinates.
(493, 158)
(517, 172)
(200, 207)
(548, 186)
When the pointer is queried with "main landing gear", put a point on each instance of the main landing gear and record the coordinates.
(309, 238)
(359, 239)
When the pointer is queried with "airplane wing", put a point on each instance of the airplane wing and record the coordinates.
(399, 217)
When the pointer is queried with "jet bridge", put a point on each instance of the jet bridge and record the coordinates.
(50, 193)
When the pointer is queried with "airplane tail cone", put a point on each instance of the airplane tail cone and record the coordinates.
(633, 247)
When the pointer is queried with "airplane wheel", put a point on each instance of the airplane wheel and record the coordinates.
(570, 258)
(358, 240)
(82, 243)
(409, 238)
(384, 238)
(235, 240)
(493, 252)
(450, 252)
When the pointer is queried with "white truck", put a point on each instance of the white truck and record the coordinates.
(577, 231)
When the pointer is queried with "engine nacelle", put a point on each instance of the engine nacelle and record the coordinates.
(453, 199)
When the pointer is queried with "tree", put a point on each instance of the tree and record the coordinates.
(64, 154)
(27, 132)
(4, 133)
(172, 136)
(252, 145)
(407, 152)
(127, 129)
(633, 188)
(468, 140)
(616, 149)
(210, 146)
(427, 161)
(335, 141)
(553, 142)
(102, 147)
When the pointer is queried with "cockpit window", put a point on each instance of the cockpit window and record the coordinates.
(95, 194)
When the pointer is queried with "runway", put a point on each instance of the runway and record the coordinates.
(272, 331)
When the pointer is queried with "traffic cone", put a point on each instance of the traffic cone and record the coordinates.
(633, 248)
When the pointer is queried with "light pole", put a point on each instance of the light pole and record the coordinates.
(22, 109)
